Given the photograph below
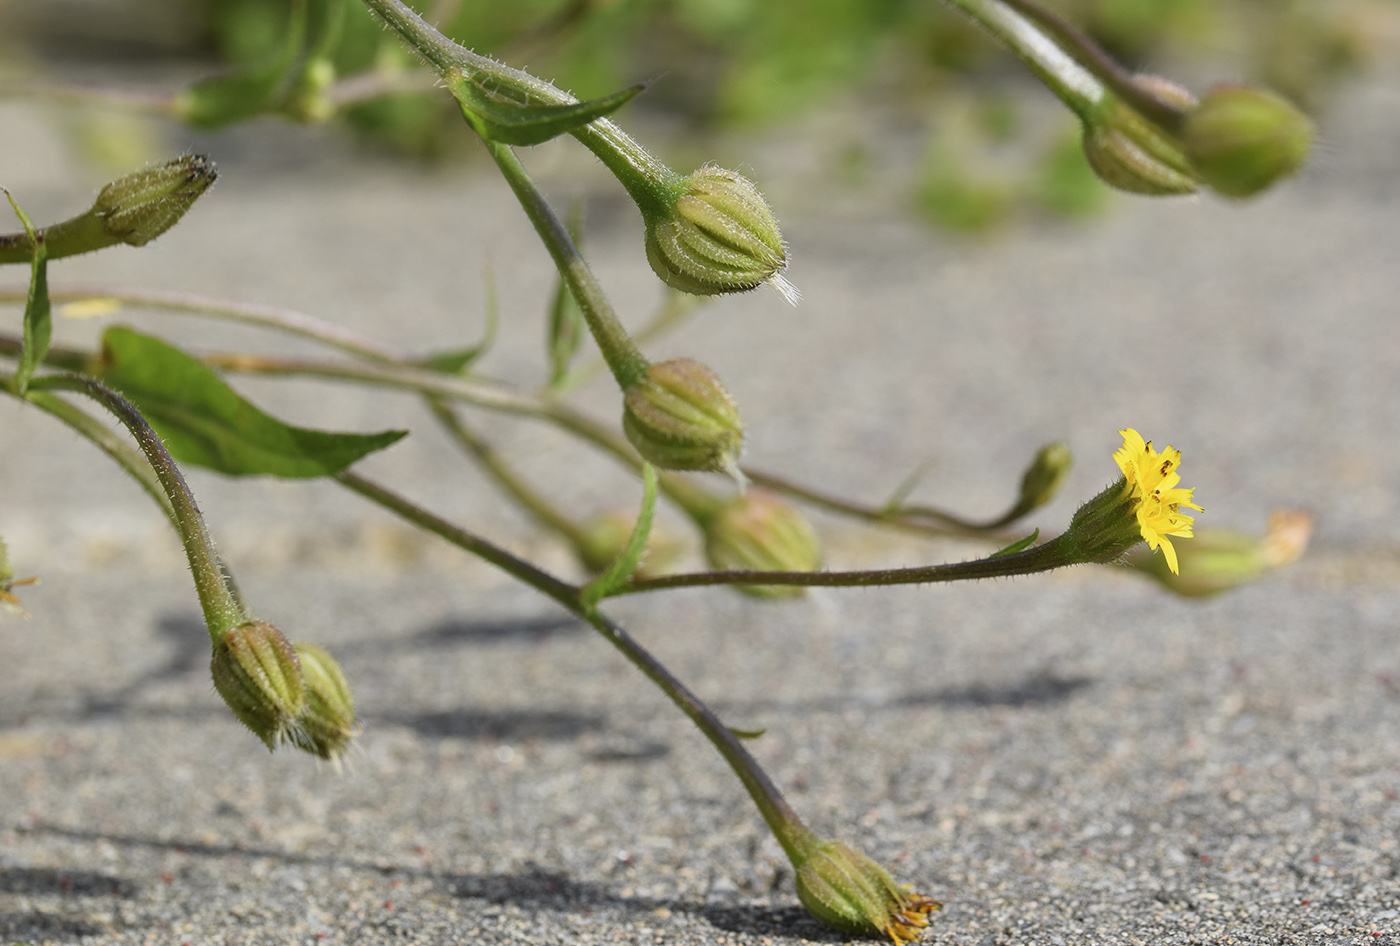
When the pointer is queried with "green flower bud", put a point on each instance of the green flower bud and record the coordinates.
(720, 236)
(257, 673)
(681, 417)
(606, 535)
(1242, 140)
(141, 206)
(1219, 559)
(328, 725)
(1131, 155)
(1043, 477)
(848, 891)
(760, 532)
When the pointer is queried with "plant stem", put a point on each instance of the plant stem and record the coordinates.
(1075, 85)
(513, 565)
(283, 320)
(1053, 554)
(651, 185)
(218, 596)
(921, 519)
(109, 443)
(506, 478)
(781, 819)
(622, 355)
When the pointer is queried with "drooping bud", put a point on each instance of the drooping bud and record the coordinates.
(1218, 559)
(139, 207)
(328, 725)
(720, 236)
(680, 416)
(848, 891)
(761, 532)
(1242, 140)
(1131, 154)
(256, 671)
(1043, 477)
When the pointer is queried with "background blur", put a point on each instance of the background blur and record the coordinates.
(1070, 758)
(918, 68)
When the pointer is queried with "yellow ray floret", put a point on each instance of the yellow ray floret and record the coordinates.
(1153, 477)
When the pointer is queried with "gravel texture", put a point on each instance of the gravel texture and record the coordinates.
(1068, 759)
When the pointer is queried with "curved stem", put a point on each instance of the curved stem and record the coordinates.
(651, 185)
(217, 596)
(1075, 85)
(924, 520)
(109, 443)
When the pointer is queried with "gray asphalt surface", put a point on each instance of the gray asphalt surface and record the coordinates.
(1067, 759)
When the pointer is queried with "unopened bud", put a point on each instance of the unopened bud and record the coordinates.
(605, 536)
(1043, 477)
(1218, 559)
(760, 532)
(720, 236)
(141, 206)
(257, 673)
(1242, 140)
(1136, 159)
(328, 725)
(848, 891)
(680, 416)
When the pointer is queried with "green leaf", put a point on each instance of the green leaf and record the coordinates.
(746, 734)
(631, 556)
(459, 360)
(206, 423)
(38, 318)
(902, 491)
(1017, 546)
(566, 325)
(513, 123)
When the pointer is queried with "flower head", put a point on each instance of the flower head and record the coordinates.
(1152, 477)
(847, 890)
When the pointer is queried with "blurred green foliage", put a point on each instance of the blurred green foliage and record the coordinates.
(762, 63)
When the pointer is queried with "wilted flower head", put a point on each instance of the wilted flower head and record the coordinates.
(847, 890)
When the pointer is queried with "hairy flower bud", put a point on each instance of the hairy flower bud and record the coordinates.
(606, 535)
(1242, 140)
(848, 891)
(257, 673)
(1043, 477)
(760, 532)
(328, 725)
(1135, 158)
(719, 237)
(141, 206)
(679, 416)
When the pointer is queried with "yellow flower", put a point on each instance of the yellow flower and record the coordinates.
(1153, 478)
